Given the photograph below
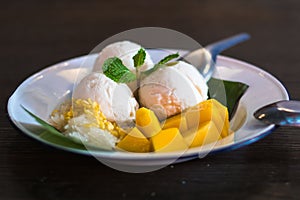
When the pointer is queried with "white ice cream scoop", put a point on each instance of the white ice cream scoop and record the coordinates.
(194, 76)
(124, 50)
(170, 90)
(116, 100)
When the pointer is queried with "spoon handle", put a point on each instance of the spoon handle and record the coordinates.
(217, 47)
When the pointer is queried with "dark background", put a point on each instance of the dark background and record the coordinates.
(36, 34)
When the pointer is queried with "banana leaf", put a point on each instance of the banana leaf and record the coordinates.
(227, 92)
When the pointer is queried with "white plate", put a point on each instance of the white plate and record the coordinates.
(41, 92)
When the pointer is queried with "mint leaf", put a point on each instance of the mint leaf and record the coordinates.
(139, 58)
(153, 69)
(114, 69)
(161, 63)
(168, 58)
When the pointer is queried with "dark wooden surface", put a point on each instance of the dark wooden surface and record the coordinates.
(35, 34)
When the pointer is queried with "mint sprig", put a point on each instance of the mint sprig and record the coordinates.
(114, 69)
(162, 63)
(139, 58)
(168, 58)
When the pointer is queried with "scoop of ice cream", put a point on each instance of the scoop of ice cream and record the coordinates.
(194, 76)
(170, 90)
(116, 100)
(124, 50)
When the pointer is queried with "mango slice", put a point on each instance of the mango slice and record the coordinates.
(147, 122)
(206, 133)
(177, 121)
(204, 123)
(209, 110)
(223, 111)
(135, 141)
(168, 140)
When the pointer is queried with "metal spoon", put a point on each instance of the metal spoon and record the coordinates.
(204, 59)
(283, 113)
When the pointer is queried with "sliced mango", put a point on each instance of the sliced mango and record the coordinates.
(198, 114)
(135, 141)
(177, 121)
(223, 111)
(168, 140)
(222, 117)
(147, 122)
(204, 123)
(225, 131)
(206, 133)
(209, 110)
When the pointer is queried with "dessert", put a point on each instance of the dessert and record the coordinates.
(175, 113)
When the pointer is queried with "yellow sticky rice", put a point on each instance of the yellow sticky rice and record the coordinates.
(91, 109)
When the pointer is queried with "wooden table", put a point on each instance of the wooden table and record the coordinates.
(36, 34)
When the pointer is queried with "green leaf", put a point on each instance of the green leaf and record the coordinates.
(162, 63)
(170, 64)
(227, 92)
(114, 69)
(139, 58)
(150, 71)
(52, 135)
(47, 126)
(61, 141)
(168, 58)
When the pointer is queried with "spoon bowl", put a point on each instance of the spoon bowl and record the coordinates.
(282, 113)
